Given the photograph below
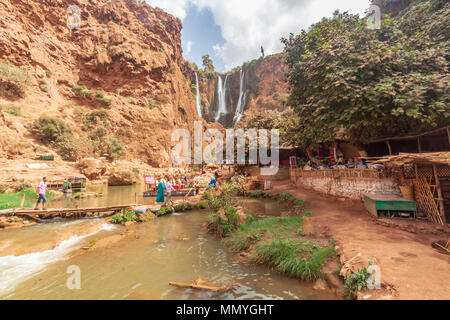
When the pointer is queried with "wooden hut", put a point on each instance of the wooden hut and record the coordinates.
(428, 177)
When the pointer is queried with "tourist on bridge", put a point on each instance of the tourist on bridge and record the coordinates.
(169, 189)
(41, 190)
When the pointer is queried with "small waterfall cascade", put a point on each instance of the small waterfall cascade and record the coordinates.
(221, 95)
(198, 101)
(241, 102)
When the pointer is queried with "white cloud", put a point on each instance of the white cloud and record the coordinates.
(175, 7)
(249, 24)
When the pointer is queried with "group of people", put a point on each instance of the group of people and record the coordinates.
(165, 188)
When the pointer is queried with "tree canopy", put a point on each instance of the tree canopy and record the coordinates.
(347, 78)
(208, 64)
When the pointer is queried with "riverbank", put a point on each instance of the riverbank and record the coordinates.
(410, 267)
(285, 243)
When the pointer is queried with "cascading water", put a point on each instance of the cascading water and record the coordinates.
(197, 99)
(221, 95)
(241, 102)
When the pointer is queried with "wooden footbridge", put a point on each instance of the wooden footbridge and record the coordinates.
(40, 215)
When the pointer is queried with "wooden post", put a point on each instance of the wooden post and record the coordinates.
(440, 196)
(389, 147)
(448, 134)
(22, 201)
(419, 145)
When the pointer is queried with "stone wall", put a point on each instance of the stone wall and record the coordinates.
(353, 188)
(283, 174)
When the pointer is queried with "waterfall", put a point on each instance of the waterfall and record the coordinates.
(197, 98)
(241, 102)
(221, 95)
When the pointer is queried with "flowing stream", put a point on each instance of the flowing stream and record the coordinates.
(34, 260)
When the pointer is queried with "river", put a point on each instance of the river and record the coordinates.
(34, 260)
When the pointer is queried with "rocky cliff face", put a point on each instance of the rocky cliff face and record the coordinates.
(263, 87)
(125, 57)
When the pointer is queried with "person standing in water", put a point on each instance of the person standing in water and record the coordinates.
(169, 189)
(41, 190)
(161, 188)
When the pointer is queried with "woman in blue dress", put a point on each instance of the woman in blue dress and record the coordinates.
(161, 188)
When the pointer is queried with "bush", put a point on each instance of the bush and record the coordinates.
(83, 91)
(356, 281)
(50, 129)
(67, 147)
(21, 186)
(99, 116)
(287, 257)
(123, 217)
(14, 111)
(113, 147)
(13, 73)
(287, 197)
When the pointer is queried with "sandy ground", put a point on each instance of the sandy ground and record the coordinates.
(410, 267)
(16, 170)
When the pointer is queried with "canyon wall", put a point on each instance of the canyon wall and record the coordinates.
(263, 87)
(124, 57)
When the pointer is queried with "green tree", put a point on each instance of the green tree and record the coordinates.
(367, 83)
(208, 64)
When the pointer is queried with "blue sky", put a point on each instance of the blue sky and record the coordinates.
(200, 35)
(233, 31)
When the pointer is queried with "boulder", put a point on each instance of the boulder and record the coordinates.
(92, 168)
(122, 178)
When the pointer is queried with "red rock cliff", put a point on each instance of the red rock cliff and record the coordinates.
(126, 57)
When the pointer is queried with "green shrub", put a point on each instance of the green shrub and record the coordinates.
(288, 197)
(14, 111)
(96, 117)
(356, 282)
(21, 186)
(13, 73)
(216, 203)
(113, 147)
(67, 147)
(50, 129)
(164, 211)
(83, 91)
(300, 258)
(127, 216)
(44, 87)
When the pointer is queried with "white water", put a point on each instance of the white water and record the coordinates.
(241, 102)
(16, 269)
(197, 98)
(221, 95)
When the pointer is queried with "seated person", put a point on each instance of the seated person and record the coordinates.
(213, 183)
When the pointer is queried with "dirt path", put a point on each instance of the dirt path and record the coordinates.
(408, 263)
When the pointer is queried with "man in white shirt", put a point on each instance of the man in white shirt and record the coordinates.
(169, 189)
(41, 191)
